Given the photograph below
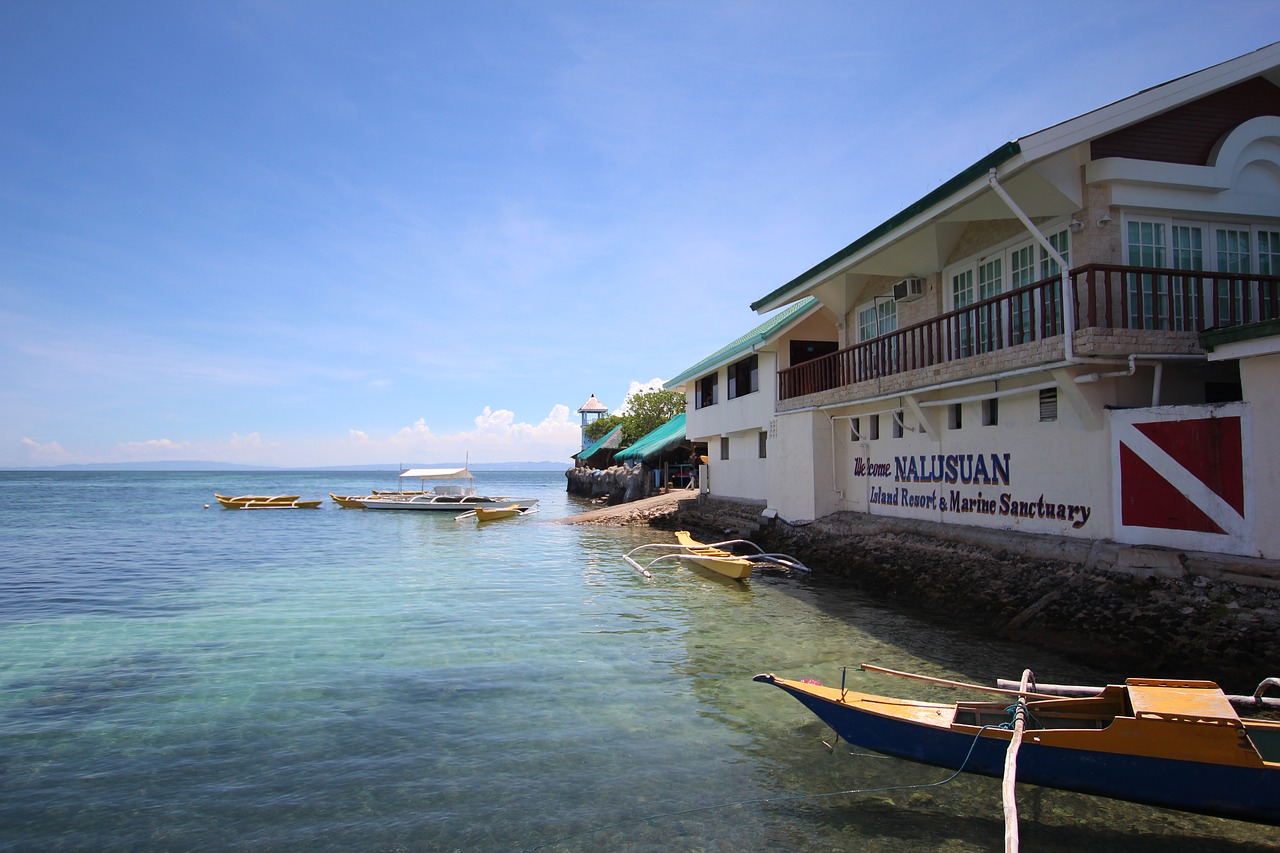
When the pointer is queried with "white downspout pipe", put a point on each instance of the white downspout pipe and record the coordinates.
(1133, 368)
(1068, 286)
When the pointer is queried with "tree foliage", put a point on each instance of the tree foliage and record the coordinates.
(643, 412)
(600, 426)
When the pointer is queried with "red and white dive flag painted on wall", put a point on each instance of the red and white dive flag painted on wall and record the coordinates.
(1182, 479)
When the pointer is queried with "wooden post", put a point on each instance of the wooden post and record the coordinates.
(1011, 771)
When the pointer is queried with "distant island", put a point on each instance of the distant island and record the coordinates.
(229, 466)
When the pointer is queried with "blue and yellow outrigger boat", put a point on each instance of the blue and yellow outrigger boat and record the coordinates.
(1175, 744)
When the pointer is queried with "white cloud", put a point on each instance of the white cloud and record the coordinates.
(636, 388)
(49, 453)
(247, 449)
(153, 448)
(497, 437)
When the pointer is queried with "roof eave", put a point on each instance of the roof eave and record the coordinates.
(749, 343)
(801, 284)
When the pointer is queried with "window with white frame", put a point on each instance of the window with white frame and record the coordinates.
(962, 296)
(1049, 307)
(1161, 301)
(1061, 243)
(876, 318)
(1268, 252)
(990, 283)
(1022, 272)
(1008, 269)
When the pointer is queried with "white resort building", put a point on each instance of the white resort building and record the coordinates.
(1076, 336)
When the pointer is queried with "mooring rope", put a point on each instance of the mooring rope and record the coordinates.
(762, 800)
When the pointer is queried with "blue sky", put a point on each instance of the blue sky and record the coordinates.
(321, 233)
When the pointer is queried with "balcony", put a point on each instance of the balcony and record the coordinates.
(1138, 300)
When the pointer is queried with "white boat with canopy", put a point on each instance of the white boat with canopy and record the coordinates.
(445, 497)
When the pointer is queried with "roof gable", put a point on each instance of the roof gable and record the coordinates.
(608, 441)
(1013, 158)
(1189, 133)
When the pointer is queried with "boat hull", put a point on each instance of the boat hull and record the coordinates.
(239, 501)
(730, 568)
(280, 505)
(713, 559)
(494, 513)
(445, 503)
(1225, 790)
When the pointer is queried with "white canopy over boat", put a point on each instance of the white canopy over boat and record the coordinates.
(438, 474)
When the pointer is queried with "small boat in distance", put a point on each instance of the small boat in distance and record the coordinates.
(1171, 743)
(241, 500)
(281, 505)
(486, 513)
(712, 557)
(347, 501)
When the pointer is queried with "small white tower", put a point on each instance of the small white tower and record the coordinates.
(591, 410)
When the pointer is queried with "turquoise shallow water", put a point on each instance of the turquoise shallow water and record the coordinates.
(180, 678)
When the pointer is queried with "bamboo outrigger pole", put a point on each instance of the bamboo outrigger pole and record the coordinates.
(1008, 789)
(946, 682)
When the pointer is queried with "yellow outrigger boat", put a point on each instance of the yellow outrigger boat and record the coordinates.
(493, 513)
(280, 505)
(239, 501)
(712, 557)
(1173, 743)
(715, 559)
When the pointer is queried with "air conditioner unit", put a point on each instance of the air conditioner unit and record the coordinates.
(908, 290)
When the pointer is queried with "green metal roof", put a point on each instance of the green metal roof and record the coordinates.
(986, 164)
(663, 438)
(756, 336)
(1211, 338)
(610, 439)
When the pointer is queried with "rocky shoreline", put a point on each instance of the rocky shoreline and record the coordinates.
(1111, 607)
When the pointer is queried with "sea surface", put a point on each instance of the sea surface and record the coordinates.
(175, 676)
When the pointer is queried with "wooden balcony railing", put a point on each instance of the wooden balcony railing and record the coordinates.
(1107, 296)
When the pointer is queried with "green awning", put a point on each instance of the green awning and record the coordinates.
(610, 439)
(663, 438)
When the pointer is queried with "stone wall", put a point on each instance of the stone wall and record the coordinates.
(1136, 612)
(618, 484)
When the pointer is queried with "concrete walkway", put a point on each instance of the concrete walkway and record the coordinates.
(635, 512)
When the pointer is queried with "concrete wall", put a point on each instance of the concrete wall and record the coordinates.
(1260, 379)
(799, 483)
(744, 474)
(1006, 476)
(748, 412)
